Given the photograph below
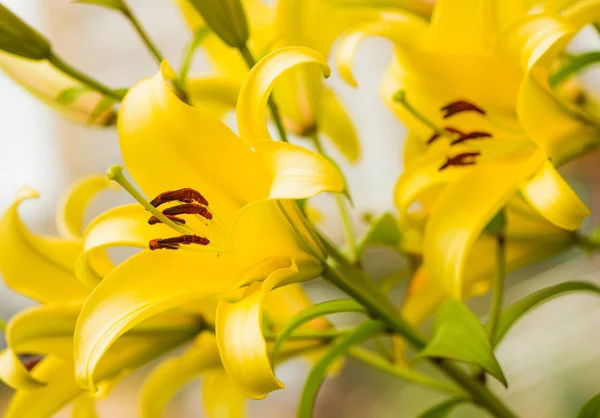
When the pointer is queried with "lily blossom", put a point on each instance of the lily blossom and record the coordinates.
(475, 141)
(227, 223)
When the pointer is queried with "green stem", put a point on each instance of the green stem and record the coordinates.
(58, 63)
(498, 286)
(381, 307)
(404, 373)
(339, 200)
(192, 46)
(251, 62)
(329, 334)
(142, 33)
(400, 97)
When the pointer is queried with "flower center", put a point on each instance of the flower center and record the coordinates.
(191, 202)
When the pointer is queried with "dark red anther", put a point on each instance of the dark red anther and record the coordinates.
(466, 158)
(471, 135)
(460, 106)
(29, 361)
(186, 195)
(154, 220)
(174, 242)
(448, 129)
(189, 208)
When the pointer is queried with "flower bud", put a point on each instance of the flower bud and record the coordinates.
(18, 38)
(226, 18)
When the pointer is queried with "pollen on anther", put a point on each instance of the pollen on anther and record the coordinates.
(465, 158)
(186, 195)
(154, 220)
(459, 107)
(190, 209)
(471, 135)
(174, 242)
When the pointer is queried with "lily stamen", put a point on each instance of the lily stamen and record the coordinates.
(189, 208)
(185, 195)
(173, 243)
(471, 135)
(448, 129)
(460, 106)
(465, 158)
(154, 220)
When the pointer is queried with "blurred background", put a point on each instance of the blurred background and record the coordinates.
(551, 358)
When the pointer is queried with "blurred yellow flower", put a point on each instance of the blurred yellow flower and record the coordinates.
(483, 121)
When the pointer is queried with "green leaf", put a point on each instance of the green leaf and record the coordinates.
(442, 410)
(458, 335)
(310, 313)
(109, 4)
(513, 313)
(591, 409)
(573, 65)
(70, 95)
(318, 373)
(384, 232)
(17, 37)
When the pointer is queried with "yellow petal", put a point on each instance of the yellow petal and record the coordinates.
(44, 330)
(216, 95)
(264, 222)
(14, 374)
(334, 121)
(174, 373)
(45, 402)
(167, 145)
(71, 210)
(241, 343)
(552, 197)
(582, 12)
(38, 267)
(298, 173)
(458, 25)
(84, 406)
(252, 103)
(123, 226)
(400, 28)
(141, 287)
(222, 399)
(500, 14)
(47, 83)
(462, 211)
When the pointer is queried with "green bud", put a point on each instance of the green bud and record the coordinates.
(17, 37)
(226, 18)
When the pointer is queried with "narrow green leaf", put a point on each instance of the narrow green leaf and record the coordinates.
(310, 313)
(513, 313)
(384, 232)
(17, 37)
(573, 65)
(442, 410)
(109, 4)
(318, 373)
(458, 335)
(591, 409)
(70, 95)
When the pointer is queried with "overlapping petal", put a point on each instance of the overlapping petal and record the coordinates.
(464, 208)
(216, 95)
(220, 397)
(252, 103)
(38, 267)
(141, 287)
(240, 337)
(14, 374)
(165, 142)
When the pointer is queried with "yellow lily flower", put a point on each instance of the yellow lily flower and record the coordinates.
(246, 232)
(42, 268)
(485, 65)
(61, 92)
(305, 103)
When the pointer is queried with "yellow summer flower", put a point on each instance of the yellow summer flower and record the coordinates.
(484, 123)
(305, 103)
(228, 220)
(42, 268)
